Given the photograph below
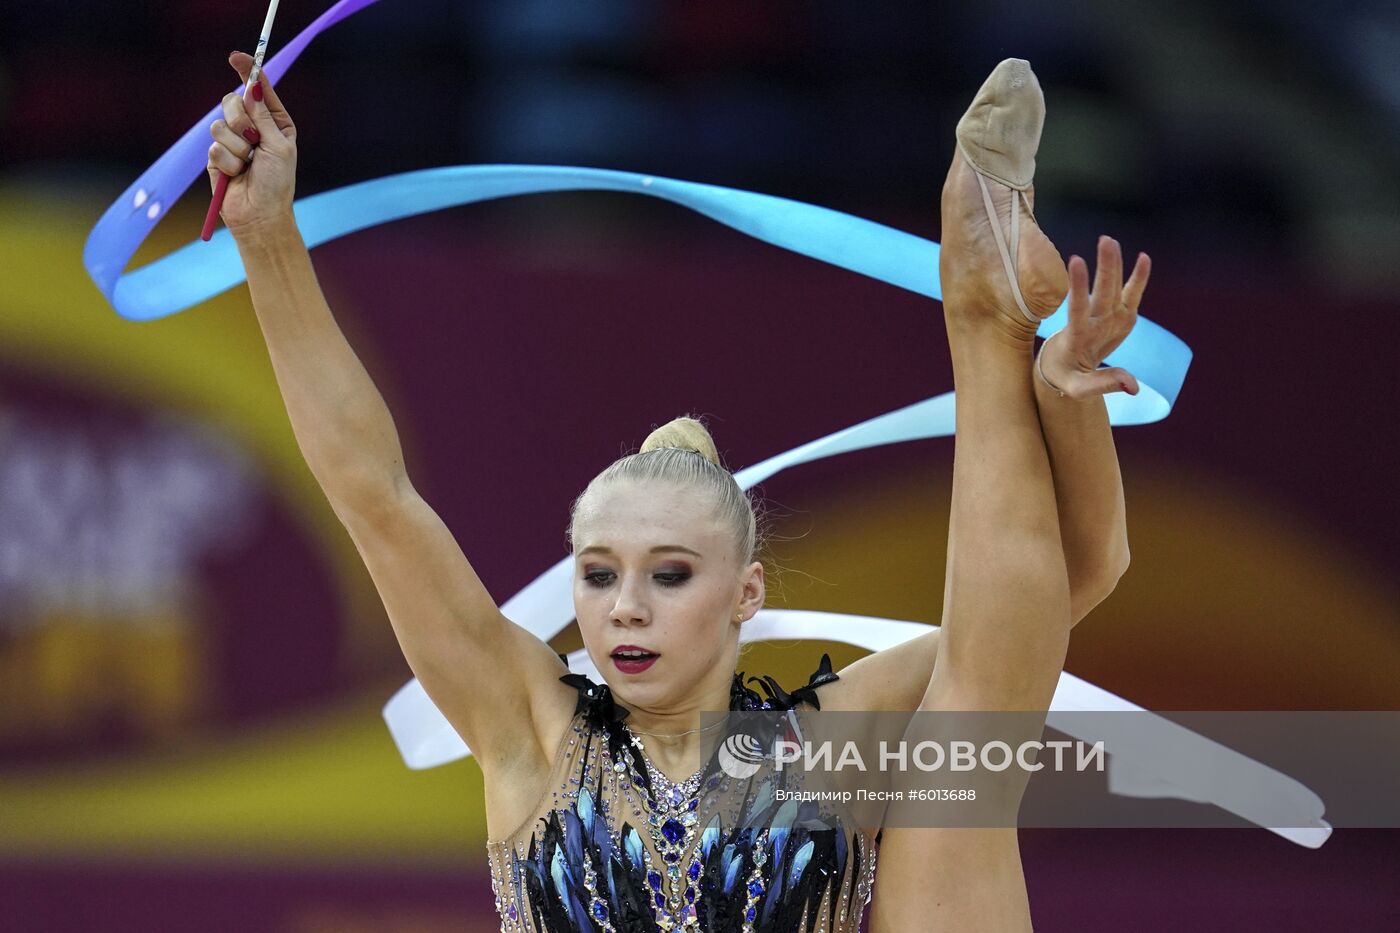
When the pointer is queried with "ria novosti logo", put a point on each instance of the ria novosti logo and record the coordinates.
(740, 756)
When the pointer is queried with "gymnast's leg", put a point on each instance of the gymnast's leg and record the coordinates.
(1006, 612)
(1069, 393)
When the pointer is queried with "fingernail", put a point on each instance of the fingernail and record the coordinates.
(233, 53)
(257, 91)
(252, 135)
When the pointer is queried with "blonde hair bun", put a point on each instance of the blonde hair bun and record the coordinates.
(666, 456)
(686, 433)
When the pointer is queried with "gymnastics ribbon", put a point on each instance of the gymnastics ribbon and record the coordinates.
(423, 735)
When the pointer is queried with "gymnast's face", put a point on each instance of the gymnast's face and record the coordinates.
(655, 569)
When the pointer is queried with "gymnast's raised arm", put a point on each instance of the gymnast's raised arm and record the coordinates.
(494, 681)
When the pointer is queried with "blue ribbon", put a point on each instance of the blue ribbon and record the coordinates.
(201, 270)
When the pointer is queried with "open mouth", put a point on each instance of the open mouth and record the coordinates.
(634, 654)
(633, 660)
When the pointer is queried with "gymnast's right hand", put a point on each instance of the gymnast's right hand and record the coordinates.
(259, 192)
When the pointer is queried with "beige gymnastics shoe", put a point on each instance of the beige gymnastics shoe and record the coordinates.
(983, 225)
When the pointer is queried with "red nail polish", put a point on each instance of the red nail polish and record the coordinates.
(252, 136)
(257, 91)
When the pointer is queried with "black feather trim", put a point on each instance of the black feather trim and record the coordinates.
(553, 874)
(778, 698)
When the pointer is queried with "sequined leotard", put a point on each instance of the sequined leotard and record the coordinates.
(615, 847)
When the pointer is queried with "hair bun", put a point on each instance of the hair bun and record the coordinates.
(686, 433)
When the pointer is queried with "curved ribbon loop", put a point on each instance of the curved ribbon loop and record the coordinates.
(201, 270)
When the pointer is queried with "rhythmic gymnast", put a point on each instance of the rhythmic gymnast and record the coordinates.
(593, 798)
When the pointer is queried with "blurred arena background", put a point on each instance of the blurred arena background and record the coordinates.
(192, 659)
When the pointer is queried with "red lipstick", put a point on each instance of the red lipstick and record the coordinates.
(636, 663)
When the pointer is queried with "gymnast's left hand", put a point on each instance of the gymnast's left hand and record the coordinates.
(1098, 323)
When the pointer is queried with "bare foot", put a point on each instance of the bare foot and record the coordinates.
(999, 135)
